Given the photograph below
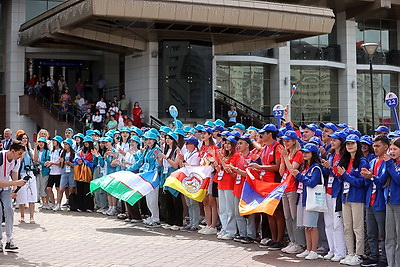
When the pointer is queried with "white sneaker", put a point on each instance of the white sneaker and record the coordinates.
(337, 258)
(174, 228)
(312, 256)
(105, 211)
(284, 250)
(49, 207)
(112, 212)
(210, 231)
(303, 254)
(201, 230)
(166, 226)
(348, 257)
(329, 256)
(353, 260)
(57, 207)
(264, 241)
(295, 249)
(147, 220)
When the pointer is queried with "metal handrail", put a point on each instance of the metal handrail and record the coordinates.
(248, 110)
(68, 117)
(156, 122)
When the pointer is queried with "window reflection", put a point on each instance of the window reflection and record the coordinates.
(383, 83)
(37, 7)
(246, 82)
(316, 98)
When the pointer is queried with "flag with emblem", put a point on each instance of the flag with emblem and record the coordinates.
(192, 181)
(127, 186)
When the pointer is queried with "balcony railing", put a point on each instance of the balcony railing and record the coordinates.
(391, 57)
(306, 51)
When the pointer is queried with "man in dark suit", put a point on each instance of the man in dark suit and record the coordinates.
(7, 139)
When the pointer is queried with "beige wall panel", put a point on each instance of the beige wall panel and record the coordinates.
(102, 37)
(246, 18)
(89, 34)
(231, 17)
(316, 24)
(133, 9)
(303, 23)
(260, 19)
(200, 13)
(114, 10)
(183, 12)
(100, 7)
(215, 15)
(150, 10)
(167, 12)
(275, 20)
(288, 22)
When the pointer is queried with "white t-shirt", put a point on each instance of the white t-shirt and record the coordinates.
(101, 106)
(54, 157)
(8, 167)
(192, 158)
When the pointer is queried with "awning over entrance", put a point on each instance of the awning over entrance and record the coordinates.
(125, 26)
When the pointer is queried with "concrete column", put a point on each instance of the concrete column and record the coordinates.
(141, 79)
(14, 68)
(348, 76)
(280, 74)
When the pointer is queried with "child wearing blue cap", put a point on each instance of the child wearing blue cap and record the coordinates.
(98, 172)
(41, 154)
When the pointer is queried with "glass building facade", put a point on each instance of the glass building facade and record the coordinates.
(37, 7)
(247, 82)
(316, 97)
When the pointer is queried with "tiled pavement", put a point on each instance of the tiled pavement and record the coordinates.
(88, 239)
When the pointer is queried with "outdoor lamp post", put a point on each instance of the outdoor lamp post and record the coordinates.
(370, 49)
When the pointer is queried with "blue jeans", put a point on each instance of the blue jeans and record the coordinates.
(376, 225)
(8, 211)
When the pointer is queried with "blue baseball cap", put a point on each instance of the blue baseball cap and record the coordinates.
(206, 129)
(90, 132)
(219, 122)
(101, 139)
(393, 134)
(108, 139)
(235, 133)
(150, 135)
(173, 135)
(154, 130)
(367, 140)
(218, 128)
(312, 127)
(348, 131)
(209, 124)
(136, 139)
(68, 141)
(97, 132)
(268, 128)
(338, 135)
(192, 140)
(42, 139)
(316, 140)
(382, 129)
(239, 126)
(58, 138)
(165, 129)
(290, 135)
(125, 129)
(246, 137)
(328, 125)
(69, 129)
(310, 147)
(352, 138)
(136, 130)
(199, 127)
(179, 132)
(80, 135)
(252, 128)
(281, 132)
(230, 139)
(224, 133)
(342, 125)
(356, 132)
(88, 139)
(318, 132)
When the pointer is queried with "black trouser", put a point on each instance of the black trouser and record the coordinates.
(133, 211)
(265, 230)
(174, 208)
(85, 198)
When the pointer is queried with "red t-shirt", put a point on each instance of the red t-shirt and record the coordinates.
(269, 155)
(298, 157)
(336, 159)
(203, 154)
(224, 179)
(242, 164)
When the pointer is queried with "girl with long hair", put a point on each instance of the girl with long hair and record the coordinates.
(353, 198)
(41, 154)
(67, 182)
(27, 193)
(292, 158)
(308, 175)
(55, 169)
(98, 172)
(334, 228)
(169, 162)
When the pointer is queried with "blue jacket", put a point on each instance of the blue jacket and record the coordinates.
(310, 179)
(379, 181)
(370, 157)
(337, 184)
(147, 161)
(98, 161)
(394, 188)
(45, 157)
(357, 183)
(110, 169)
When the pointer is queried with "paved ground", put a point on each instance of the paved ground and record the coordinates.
(83, 239)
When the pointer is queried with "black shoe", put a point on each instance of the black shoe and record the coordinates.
(369, 262)
(276, 246)
(382, 264)
(248, 240)
(10, 245)
(239, 238)
(269, 244)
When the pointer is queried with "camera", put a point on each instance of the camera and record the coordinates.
(33, 168)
